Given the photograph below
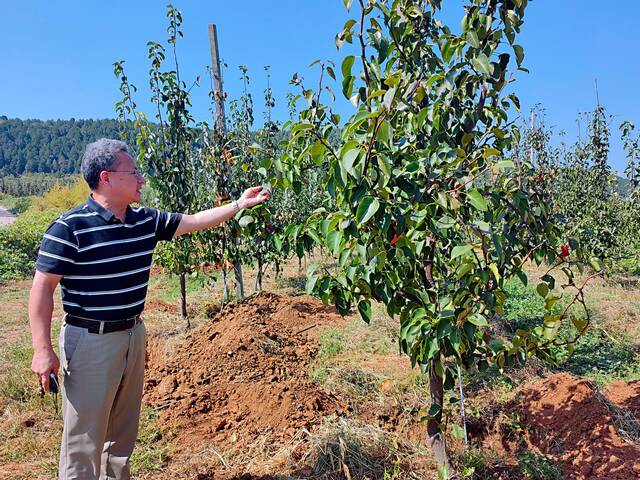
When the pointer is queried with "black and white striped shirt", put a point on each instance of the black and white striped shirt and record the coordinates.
(104, 263)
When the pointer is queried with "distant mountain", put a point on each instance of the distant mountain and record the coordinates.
(623, 186)
(48, 146)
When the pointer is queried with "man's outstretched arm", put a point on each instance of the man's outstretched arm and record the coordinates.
(44, 359)
(215, 216)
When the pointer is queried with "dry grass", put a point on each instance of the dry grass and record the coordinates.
(343, 448)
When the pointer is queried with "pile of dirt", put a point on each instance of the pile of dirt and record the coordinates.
(572, 423)
(244, 375)
(625, 395)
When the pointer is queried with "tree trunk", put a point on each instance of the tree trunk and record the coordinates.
(299, 264)
(225, 283)
(435, 436)
(183, 299)
(259, 276)
(237, 270)
(463, 413)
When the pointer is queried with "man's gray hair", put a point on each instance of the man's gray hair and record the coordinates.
(98, 156)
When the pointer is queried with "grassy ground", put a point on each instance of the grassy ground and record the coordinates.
(357, 360)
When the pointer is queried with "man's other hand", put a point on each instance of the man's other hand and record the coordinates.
(253, 196)
(44, 362)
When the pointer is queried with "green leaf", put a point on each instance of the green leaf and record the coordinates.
(457, 431)
(334, 238)
(445, 222)
(472, 39)
(477, 200)
(579, 323)
(347, 86)
(246, 220)
(538, 256)
(434, 410)
(347, 63)
(311, 283)
(490, 152)
(494, 269)
(364, 307)
(367, 209)
(481, 62)
(504, 164)
(551, 301)
(444, 329)
(301, 126)
(477, 320)
(460, 250)
(519, 51)
(542, 289)
(596, 264)
(349, 158)
(384, 132)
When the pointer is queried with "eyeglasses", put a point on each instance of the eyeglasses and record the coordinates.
(137, 172)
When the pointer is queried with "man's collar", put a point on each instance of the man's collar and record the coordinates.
(94, 206)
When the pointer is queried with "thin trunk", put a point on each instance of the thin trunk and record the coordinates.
(225, 283)
(435, 436)
(237, 270)
(183, 299)
(463, 413)
(259, 276)
(299, 264)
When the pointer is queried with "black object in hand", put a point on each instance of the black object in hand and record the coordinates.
(53, 383)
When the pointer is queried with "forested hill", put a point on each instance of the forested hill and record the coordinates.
(48, 146)
(55, 146)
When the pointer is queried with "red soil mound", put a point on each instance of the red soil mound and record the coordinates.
(244, 375)
(574, 425)
(626, 395)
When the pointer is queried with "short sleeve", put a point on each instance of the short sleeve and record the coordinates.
(166, 224)
(58, 249)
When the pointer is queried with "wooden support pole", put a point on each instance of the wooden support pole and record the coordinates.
(217, 79)
(221, 130)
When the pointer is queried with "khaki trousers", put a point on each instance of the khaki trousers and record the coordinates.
(102, 384)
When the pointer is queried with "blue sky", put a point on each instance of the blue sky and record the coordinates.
(56, 57)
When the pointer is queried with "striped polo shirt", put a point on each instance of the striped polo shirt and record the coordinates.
(104, 263)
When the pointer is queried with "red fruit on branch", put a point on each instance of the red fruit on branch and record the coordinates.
(396, 237)
(564, 250)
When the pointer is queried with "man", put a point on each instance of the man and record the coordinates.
(100, 253)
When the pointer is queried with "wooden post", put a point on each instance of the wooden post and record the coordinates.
(221, 129)
(217, 79)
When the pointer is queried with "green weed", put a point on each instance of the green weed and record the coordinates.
(332, 343)
(538, 467)
(151, 449)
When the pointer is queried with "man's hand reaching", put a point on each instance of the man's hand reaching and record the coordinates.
(253, 196)
(215, 216)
